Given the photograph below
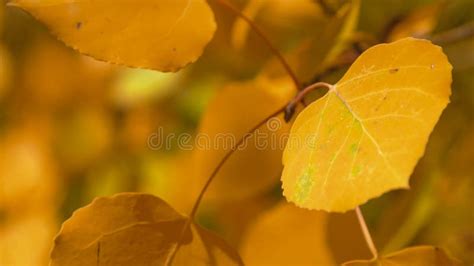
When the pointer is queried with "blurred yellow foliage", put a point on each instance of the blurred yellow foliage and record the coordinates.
(73, 128)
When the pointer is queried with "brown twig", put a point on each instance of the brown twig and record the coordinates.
(227, 156)
(265, 39)
(213, 175)
(365, 231)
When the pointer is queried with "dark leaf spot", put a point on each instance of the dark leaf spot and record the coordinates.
(393, 70)
(78, 25)
(98, 253)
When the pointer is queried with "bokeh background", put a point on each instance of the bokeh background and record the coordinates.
(73, 128)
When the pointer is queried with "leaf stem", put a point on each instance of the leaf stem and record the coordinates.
(212, 177)
(365, 231)
(265, 39)
(290, 108)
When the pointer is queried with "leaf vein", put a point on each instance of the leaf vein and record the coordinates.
(380, 71)
(364, 129)
(331, 164)
(364, 96)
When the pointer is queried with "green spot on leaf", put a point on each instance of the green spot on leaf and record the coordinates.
(353, 148)
(356, 170)
(304, 185)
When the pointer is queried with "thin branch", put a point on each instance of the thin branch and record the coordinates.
(212, 177)
(365, 231)
(456, 34)
(262, 35)
(227, 156)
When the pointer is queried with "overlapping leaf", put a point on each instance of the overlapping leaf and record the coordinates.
(136, 229)
(163, 35)
(365, 136)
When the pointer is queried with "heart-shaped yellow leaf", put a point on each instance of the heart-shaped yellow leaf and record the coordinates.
(365, 136)
(413, 256)
(164, 35)
(136, 229)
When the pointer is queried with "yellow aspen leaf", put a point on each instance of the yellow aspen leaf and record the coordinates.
(237, 108)
(164, 35)
(365, 136)
(413, 256)
(288, 235)
(135, 229)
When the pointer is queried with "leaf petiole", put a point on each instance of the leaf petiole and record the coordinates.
(290, 108)
(365, 231)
